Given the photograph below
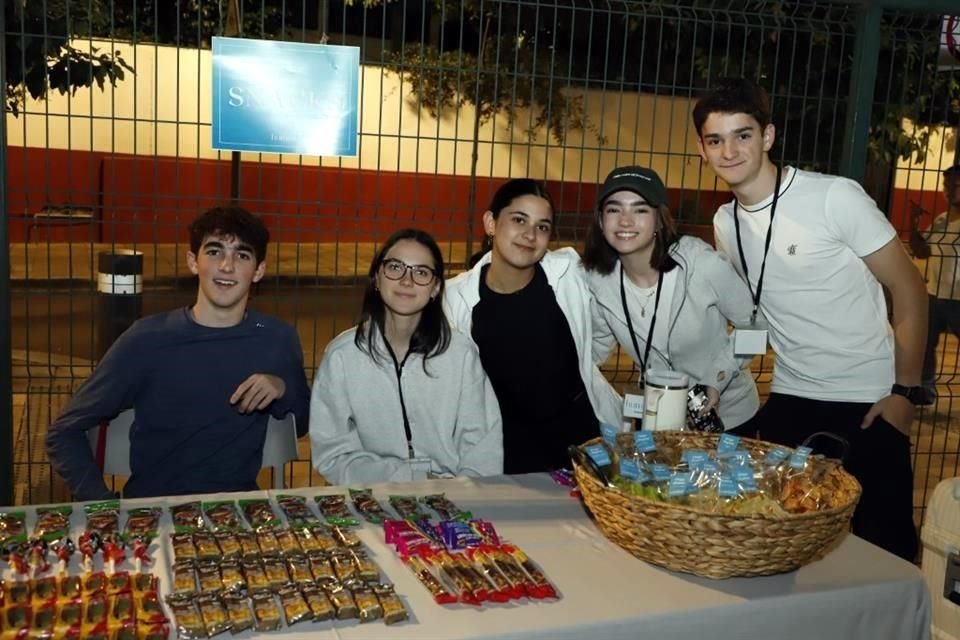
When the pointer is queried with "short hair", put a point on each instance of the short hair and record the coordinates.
(952, 173)
(231, 221)
(733, 95)
(432, 335)
(599, 256)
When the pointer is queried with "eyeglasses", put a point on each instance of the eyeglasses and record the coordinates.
(395, 269)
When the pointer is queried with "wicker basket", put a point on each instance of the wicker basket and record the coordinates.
(713, 545)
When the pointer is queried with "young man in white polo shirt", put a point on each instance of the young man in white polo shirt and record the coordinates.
(815, 250)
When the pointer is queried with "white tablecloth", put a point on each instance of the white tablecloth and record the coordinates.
(857, 591)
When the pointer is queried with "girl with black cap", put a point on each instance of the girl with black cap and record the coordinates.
(666, 299)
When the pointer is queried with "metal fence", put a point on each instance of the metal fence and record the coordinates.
(455, 97)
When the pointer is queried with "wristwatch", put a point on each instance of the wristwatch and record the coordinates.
(913, 394)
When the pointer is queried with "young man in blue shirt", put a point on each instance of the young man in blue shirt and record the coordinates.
(202, 380)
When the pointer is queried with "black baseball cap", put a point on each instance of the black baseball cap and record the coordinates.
(949, 172)
(639, 180)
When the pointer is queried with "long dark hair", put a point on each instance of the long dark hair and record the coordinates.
(599, 256)
(507, 193)
(432, 336)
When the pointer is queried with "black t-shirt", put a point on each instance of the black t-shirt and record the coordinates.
(531, 359)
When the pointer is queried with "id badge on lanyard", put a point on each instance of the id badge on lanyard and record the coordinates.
(752, 339)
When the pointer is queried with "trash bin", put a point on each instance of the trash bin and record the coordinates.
(119, 294)
(941, 558)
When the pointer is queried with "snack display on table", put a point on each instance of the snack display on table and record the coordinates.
(769, 509)
(110, 604)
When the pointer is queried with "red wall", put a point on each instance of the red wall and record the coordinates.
(147, 199)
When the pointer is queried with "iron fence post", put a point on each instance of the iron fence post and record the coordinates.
(863, 76)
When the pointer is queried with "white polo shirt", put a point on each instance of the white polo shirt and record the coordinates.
(826, 310)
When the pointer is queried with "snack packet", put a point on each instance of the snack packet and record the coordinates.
(213, 614)
(239, 612)
(53, 523)
(393, 609)
(335, 511)
(542, 586)
(266, 613)
(142, 522)
(188, 518)
(407, 507)
(259, 514)
(368, 605)
(13, 530)
(445, 507)
(295, 608)
(103, 519)
(298, 513)
(317, 600)
(223, 515)
(367, 506)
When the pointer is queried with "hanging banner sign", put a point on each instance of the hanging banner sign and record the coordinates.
(949, 59)
(285, 97)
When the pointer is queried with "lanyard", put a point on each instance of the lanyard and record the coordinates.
(653, 322)
(766, 246)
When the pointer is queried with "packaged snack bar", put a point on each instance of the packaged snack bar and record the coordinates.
(484, 564)
(543, 588)
(118, 583)
(208, 574)
(206, 546)
(142, 522)
(254, 575)
(259, 514)
(299, 568)
(344, 606)
(276, 571)
(420, 569)
(149, 609)
(367, 506)
(63, 549)
(407, 507)
(44, 617)
(445, 508)
(308, 542)
(335, 511)
(509, 569)
(223, 515)
(248, 544)
(287, 540)
(268, 543)
(213, 614)
(69, 588)
(96, 610)
(17, 562)
(229, 544)
(103, 519)
(121, 610)
(367, 569)
(266, 613)
(187, 618)
(323, 536)
(13, 530)
(343, 566)
(368, 605)
(320, 567)
(183, 548)
(184, 578)
(44, 590)
(393, 609)
(187, 517)
(231, 578)
(472, 588)
(295, 608)
(239, 612)
(298, 513)
(318, 602)
(94, 584)
(345, 537)
(37, 557)
(145, 583)
(53, 523)
(113, 554)
(69, 619)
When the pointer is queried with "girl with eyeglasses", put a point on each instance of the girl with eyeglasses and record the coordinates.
(666, 298)
(528, 310)
(400, 396)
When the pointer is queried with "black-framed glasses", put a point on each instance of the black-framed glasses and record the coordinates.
(395, 269)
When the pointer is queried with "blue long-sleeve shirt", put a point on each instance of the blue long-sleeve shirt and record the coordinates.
(178, 377)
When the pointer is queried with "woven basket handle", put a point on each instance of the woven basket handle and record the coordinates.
(829, 435)
(580, 457)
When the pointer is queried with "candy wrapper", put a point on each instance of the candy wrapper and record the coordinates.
(254, 575)
(213, 614)
(408, 508)
(141, 553)
(445, 507)
(367, 506)
(229, 543)
(103, 519)
(295, 608)
(188, 517)
(142, 522)
(184, 578)
(113, 554)
(223, 515)
(267, 542)
(341, 598)
(320, 567)
(206, 546)
(542, 587)
(63, 549)
(186, 617)
(13, 530)
(394, 610)
(319, 603)
(259, 514)
(266, 613)
(239, 612)
(317, 538)
(297, 512)
(335, 511)
(441, 595)
(37, 557)
(368, 605)
(249, 547)
(53, 523)
(503, 588)
(470, 587)
(345, 537)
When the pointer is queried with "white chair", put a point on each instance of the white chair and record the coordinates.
(279, 447)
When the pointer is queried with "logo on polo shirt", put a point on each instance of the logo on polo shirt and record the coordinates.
(792, 250)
